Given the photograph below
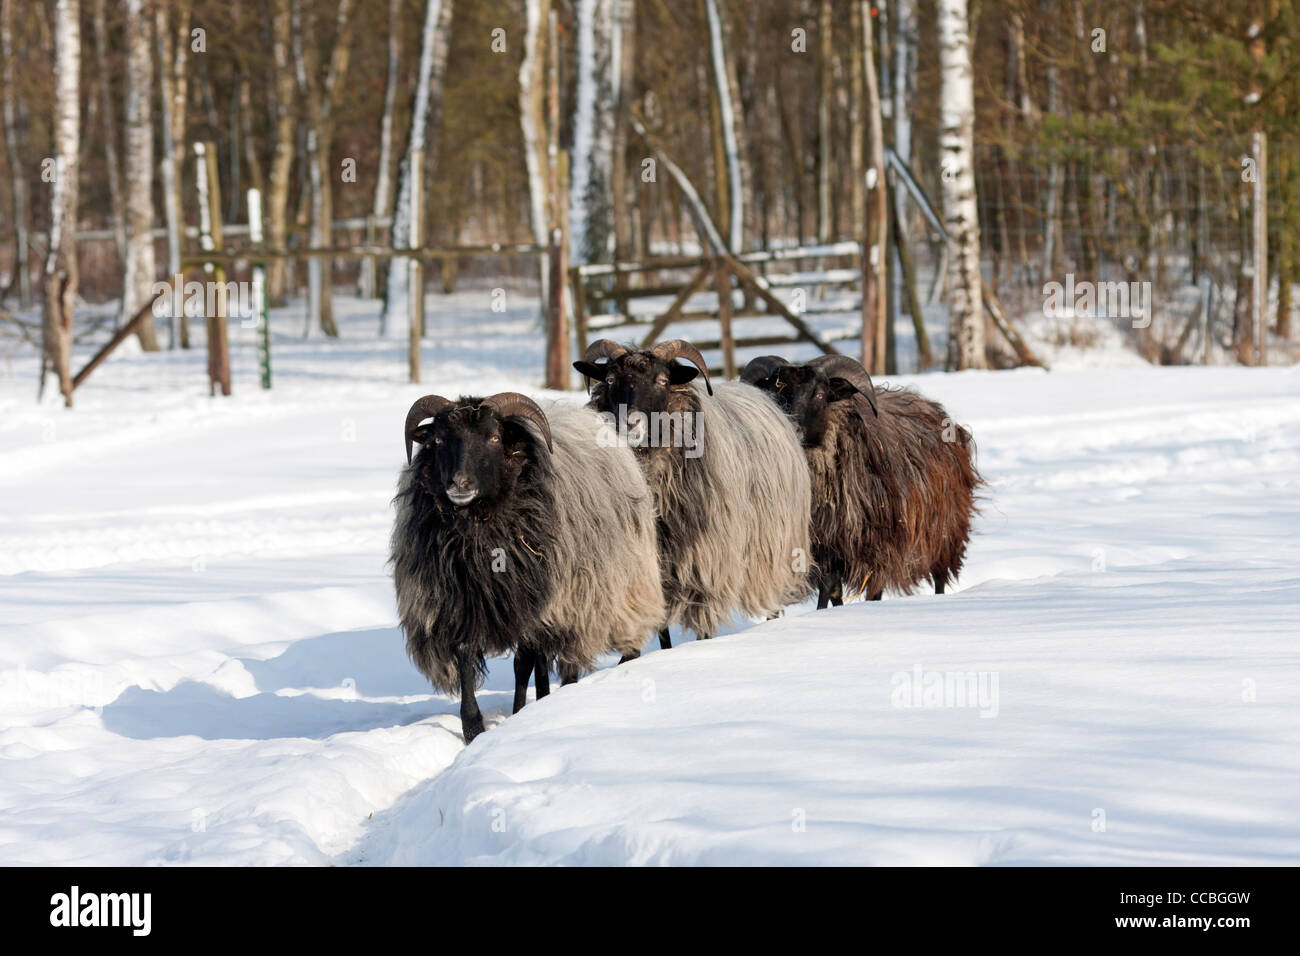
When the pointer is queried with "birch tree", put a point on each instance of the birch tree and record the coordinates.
(824, 97)
(395, 319)
(382, 205)
(320, 93)
(532, 120)
(61, 259)
(875, 271)
(171, 59)
(108, 121)
(626, 72)
(599, 59)
(138, 280)
(14, 131)
(956, 146)
(724, 83)
(277, 199)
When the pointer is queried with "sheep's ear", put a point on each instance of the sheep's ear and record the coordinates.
(680, 374)
(592, 370)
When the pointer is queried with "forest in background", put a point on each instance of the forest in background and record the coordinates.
(1111, 140)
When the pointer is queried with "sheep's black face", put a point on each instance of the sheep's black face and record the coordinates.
(804, 394)
(640, 380)
(472, 456)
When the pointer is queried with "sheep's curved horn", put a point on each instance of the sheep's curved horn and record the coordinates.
(761, 367)
(604, 349)
(512, 404)
(680, 348)
(841, 366)
(426, 407)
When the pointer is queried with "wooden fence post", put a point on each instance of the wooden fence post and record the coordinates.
(415, 265)
(722, 283)
(580, 309)
(259, 288)
(209, 190)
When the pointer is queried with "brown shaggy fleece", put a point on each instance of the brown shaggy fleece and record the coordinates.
(893, 500)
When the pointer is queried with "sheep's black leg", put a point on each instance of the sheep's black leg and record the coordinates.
(938, 586)
(471, 718)
(629, 656)
(524, 663)
(832, 592)
(568, 674)
(877, 596)
(543, 676)
(665, 640)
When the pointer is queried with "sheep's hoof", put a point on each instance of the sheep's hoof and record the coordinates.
(472, 730)
(629, 657)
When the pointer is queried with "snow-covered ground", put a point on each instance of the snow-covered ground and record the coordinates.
(199, 660)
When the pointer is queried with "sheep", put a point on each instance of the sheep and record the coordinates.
(521, 530)
(728, 476)
(894, 479)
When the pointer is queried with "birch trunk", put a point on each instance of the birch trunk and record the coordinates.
(382, 207)
(875, 272)
(170, 166)
(61, 261)
(724, 84)
(1052, 203)
(599, 57)
(14, 131)
(824, 94)
(141, 267)
(532, 120)
(277, 200)
(117, 211)
(966, 336)
(320, 93)
(394, 321)
(177, 119)
(622, 220)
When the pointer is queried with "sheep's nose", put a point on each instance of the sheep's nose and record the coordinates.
(461, 482)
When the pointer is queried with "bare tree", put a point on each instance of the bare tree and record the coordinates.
(382, 206)
(14, 130)
(599, 55)
(173, 39)
(966, 335)
(277, 199)
(394, 322)
(137, 283)
(724, 86)
(532, 119)
(875, 271)
(108, 121)
(320, 93)
(61, 261)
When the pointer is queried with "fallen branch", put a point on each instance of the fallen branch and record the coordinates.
(1023, 352)
(120, 336)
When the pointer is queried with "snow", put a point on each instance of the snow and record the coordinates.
(199, 658)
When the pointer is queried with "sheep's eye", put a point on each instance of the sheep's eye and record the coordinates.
(437, 441)
(609, 379)
(495, 439)
(821, 395)
(663, 380)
